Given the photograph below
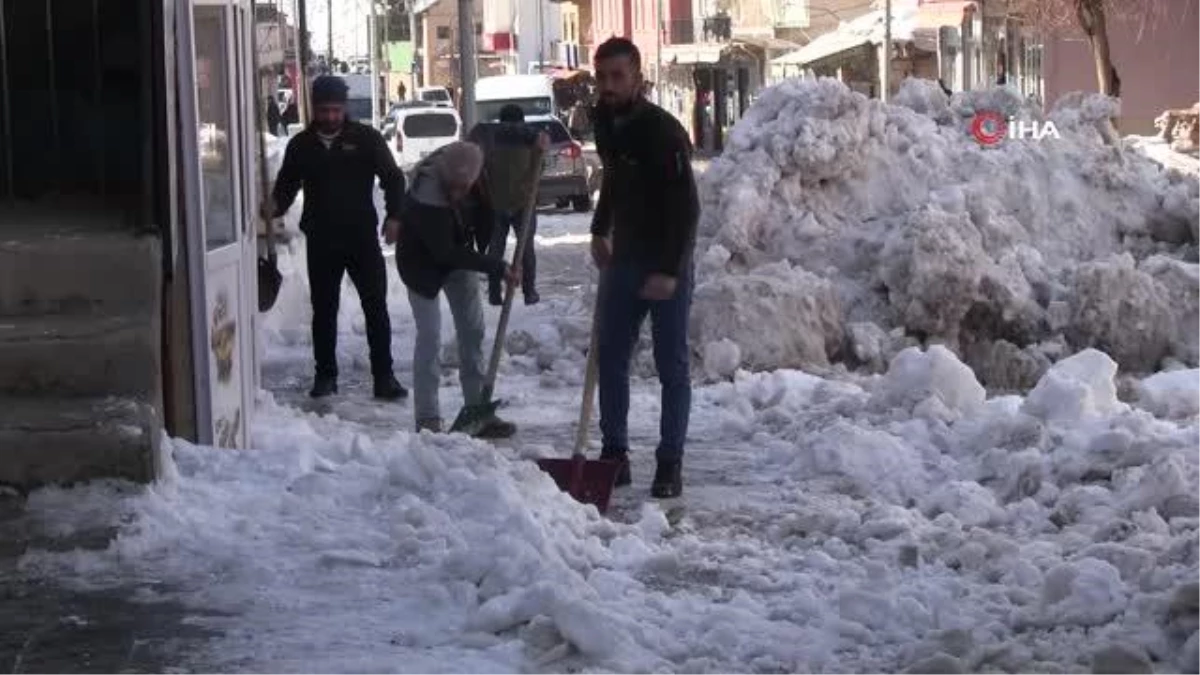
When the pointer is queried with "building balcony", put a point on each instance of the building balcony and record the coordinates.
(679, 32)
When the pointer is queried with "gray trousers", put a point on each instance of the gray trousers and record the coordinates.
(462, 294)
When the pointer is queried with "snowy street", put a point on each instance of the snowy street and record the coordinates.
(878, 512)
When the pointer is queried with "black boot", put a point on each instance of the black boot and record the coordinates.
(495, 297)
(668, 480)
(621, 457)
(324, 385)
(388, 388)
(497, 429)
(532, 297)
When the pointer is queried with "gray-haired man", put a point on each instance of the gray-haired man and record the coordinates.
(446, 222)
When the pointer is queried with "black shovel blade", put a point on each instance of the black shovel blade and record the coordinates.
(472, 419)
(269, 283)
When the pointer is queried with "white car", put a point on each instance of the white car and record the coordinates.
(439, 96)
(417, 130)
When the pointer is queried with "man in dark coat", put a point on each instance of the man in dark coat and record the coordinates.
(336, 161)
(643, 237)
(447, 222)
(509, 149)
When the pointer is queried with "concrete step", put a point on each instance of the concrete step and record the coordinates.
(64, 441)
(79, 355)
(62, 271)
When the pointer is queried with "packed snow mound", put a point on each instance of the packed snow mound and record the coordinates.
(1039, 245)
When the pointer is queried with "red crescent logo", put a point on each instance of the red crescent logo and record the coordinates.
(989, 127)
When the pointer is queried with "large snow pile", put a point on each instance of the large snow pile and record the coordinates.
(909, 523)
(872, 227)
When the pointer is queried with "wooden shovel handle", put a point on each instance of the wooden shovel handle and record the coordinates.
(590, 377)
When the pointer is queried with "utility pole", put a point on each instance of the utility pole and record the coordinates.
(412, 36)
(658, 63)
(329, 28)
(541, 37)
(466, 61)
(885, 74)
(373, 50)
(301, 87)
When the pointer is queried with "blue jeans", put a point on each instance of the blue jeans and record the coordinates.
(504, 221)
(622, 311)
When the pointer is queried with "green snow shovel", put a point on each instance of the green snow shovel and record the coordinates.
(473, 419)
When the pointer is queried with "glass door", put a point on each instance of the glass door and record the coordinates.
(219, 41)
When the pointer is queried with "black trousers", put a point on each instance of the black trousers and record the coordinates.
(363, 261)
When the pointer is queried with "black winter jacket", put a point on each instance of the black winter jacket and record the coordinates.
(437, 238)
(648, 199)
(339, 183)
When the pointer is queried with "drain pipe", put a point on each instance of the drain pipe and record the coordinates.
(6, 113)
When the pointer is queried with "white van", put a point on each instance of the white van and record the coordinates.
(439, 96)
(418, 130)
(534, 93)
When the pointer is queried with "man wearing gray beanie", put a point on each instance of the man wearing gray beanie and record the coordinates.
(336, 161)
(447, 225)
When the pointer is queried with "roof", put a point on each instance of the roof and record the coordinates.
(867, 29)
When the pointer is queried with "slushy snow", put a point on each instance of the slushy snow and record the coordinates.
(894, 517)
(854, 218)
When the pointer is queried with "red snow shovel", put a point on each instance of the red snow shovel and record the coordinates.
(589, 481)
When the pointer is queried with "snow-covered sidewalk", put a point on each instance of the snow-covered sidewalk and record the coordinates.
(862, 524)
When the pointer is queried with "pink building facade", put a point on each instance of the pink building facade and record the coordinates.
(1156, 60)
(642, 21)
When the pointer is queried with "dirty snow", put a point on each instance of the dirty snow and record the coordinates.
(901, 521)
(896, 517)
(888, 217)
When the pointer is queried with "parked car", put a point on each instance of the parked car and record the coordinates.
(439, 96)
(418, 130)
(564, 172)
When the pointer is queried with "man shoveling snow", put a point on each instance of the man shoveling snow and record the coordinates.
(434, 254)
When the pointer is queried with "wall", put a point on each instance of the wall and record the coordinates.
(611, 18)
(440, 54)
(1157, 64)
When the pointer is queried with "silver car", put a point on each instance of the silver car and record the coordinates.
(564, 171)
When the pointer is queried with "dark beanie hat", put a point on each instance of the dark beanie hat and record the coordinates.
(329, 89)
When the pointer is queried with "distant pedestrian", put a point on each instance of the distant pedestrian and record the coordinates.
(336, 161)
(447, 222)
(509, 155)
(274, 118)
(643, 237)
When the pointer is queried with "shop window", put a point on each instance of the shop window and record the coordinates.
(216, 142)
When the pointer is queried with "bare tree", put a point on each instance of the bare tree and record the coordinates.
(1092, 18)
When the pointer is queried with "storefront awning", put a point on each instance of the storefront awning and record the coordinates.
(687, 54)
(706, 53)
(767, 42)
(867, 29)
(830, 44)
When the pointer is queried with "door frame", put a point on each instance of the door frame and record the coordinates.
(240, 254)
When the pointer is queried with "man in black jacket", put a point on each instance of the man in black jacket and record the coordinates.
(447, 222)
(336, 161)
(643, 236)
